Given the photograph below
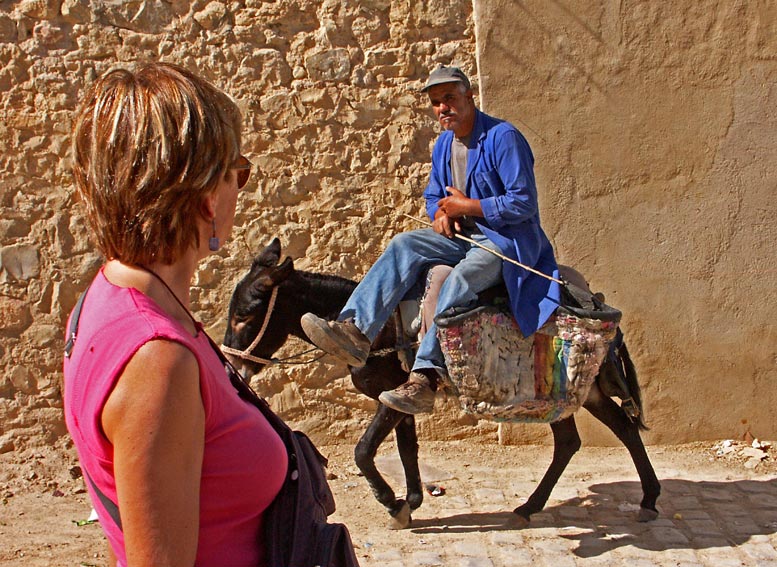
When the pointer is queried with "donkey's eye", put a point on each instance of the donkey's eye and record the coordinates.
(243, 317)
(255, 306)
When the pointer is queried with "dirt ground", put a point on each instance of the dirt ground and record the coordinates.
(44, 503)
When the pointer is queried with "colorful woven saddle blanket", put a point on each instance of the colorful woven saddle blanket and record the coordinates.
(499, 375)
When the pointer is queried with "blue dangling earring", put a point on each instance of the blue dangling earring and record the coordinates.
(213, 242)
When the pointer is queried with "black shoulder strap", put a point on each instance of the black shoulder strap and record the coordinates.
(73, 329)
(245, 392)
(109, 505)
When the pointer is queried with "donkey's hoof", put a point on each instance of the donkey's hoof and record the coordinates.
(517, 521)
(647, 515)
(415, 500)
(401, 518)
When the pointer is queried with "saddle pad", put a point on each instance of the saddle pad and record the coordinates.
(499, 375)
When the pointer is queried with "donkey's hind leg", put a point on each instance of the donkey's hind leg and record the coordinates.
(608, 412)
(384, 421)
(566, 443)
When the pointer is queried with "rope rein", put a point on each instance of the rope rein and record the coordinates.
(287, 361)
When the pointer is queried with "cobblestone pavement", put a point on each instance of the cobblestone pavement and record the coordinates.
(712, 514)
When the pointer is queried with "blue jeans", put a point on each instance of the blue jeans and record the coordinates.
(406, 258)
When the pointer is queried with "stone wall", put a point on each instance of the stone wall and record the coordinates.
(339, 137)
(653, 125)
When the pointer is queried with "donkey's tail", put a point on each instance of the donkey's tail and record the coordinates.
(618, 378)
(632, 384)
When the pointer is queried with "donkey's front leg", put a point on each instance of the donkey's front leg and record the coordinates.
(407, 445)
(382, 423)
(566, 442)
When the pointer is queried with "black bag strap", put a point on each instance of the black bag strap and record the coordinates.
(109, 505)
(246, 393)
(73, 329)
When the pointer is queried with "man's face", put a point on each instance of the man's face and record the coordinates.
(455, 110)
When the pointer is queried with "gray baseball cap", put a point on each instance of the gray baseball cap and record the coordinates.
(445, 74)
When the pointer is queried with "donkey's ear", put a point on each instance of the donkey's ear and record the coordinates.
(283, 270)
(270, 277)
(270, 255)
(274, 246)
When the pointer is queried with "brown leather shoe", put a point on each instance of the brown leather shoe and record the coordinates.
(341, 339)
(413, 397)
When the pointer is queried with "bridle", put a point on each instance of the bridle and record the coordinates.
(246, 353)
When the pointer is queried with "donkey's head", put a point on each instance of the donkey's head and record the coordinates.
(251, 313)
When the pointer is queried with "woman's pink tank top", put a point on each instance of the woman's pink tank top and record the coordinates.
(244, 461)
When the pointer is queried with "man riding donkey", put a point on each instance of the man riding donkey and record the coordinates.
(482, 187)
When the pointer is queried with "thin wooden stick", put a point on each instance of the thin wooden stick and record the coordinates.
(494, 252)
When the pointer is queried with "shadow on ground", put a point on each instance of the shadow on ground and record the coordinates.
(693, 515)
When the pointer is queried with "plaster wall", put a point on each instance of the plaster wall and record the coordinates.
(653, 126)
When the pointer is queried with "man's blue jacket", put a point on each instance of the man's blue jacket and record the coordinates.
(500, 173)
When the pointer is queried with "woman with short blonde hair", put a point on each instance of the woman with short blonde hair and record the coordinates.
(148, 146)
(179, 468)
